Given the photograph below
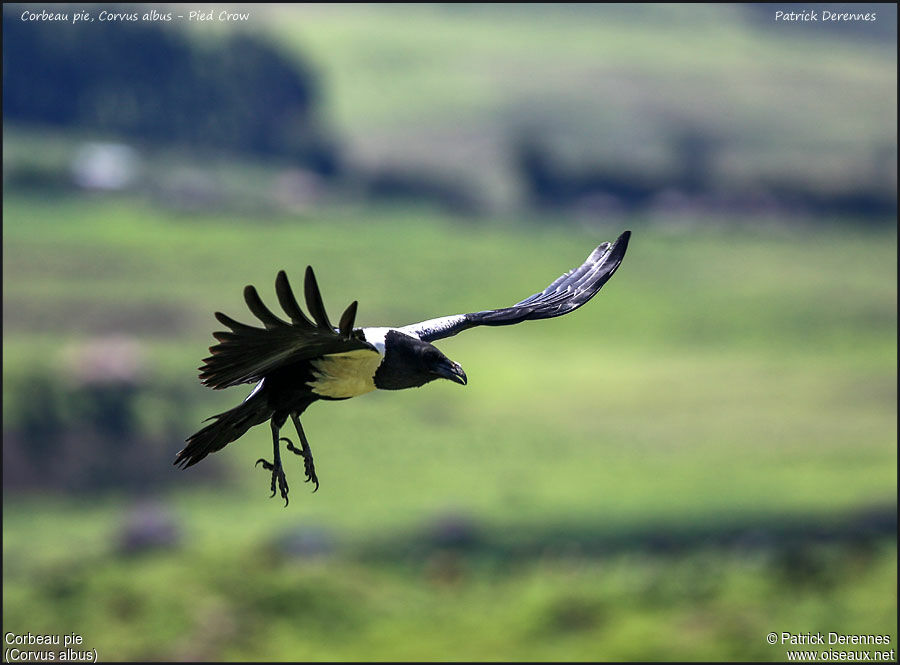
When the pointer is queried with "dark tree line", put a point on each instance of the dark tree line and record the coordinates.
(148, 82)
(552, 184)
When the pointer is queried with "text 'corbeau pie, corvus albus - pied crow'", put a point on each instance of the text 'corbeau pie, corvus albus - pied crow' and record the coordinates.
(296, 363)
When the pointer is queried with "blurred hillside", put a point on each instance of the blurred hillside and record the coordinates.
(679, 99)
(600, 111)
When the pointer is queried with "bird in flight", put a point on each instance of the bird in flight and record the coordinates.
(295, 363)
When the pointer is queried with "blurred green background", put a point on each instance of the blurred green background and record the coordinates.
(704, 454)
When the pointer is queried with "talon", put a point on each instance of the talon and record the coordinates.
(311, 476)
(283, 487)
(279, 481)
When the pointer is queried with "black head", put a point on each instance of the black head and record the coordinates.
(410, 363)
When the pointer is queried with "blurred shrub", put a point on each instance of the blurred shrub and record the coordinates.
(87, 429)
(148, 526)
(691, 186)
(149, 82)
(425, 186)
(41, 178)
(550, 185)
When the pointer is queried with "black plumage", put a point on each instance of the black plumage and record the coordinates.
(298, 362)
(565, 294)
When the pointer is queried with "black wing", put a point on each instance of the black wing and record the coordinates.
(566, 294)
(247, 354)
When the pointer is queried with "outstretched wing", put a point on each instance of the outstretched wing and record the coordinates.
(564, 295)
(247, 353)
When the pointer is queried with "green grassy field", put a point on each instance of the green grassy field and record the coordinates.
(722, 378)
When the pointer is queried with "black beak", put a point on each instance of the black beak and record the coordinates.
(452, 371)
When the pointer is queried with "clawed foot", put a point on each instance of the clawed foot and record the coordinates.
(277, 477)
(308, 466)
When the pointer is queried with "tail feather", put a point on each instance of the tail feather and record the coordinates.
(227, 427)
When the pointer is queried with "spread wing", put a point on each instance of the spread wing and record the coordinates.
(247, 353)
(564, 295)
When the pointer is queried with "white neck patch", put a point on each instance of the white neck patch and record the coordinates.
(375, 336)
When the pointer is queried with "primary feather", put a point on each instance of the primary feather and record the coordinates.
(247, 353)
(565, 294)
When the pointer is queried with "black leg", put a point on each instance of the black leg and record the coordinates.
(275, 467)
(305, 452)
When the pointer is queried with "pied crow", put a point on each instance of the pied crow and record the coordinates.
(296, 363)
